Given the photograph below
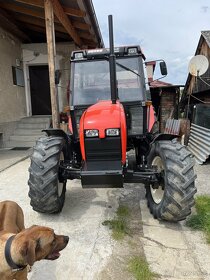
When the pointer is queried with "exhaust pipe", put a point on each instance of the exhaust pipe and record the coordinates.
(112, 63)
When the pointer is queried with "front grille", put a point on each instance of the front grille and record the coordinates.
(108, 148)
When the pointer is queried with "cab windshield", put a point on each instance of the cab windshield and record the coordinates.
(92, 81)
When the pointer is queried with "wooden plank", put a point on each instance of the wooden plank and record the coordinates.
(67, 10)
(64, 20)
(42, 30)
(82, 26)
(87, 19)
(9, 24)
(49, 20)
(38, 14)
(86, 35)
(39, 22)
(23, 10)
(73, 12)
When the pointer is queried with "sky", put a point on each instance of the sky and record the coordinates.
(165, 29)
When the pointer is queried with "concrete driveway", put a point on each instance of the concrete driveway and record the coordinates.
(172, 250)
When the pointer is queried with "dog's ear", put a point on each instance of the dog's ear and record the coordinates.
(28, 252)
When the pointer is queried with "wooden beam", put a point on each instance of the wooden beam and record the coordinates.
(87, 18)
(39, 22)
(86, 35)
(58, 27)
(67, 10)
(42, 29)
(49, 19)
(82, 26)
(14, 7)
(9, 25)
(64, 20)
(73, 12)
(23, 10)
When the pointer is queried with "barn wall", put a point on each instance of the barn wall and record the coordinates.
(63, 53)
(12, 97)
(195, 84)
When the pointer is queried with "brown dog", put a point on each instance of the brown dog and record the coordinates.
(20, 247)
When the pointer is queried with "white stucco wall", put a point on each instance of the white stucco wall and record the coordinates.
(12, 98)
(63, 52)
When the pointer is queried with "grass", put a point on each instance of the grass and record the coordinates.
(139, 268)
(119, 225)
(201, 220)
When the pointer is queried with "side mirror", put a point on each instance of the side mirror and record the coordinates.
(163, 68)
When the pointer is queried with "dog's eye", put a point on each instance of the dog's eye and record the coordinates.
(54, 241)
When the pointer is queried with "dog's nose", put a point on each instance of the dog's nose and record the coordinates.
(66, 239)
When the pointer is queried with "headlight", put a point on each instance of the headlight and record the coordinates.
(78, 55)
(112, 132)
(132, 51)
(91, 133)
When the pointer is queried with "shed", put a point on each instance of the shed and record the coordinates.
(195, 103)
(197, 90)
(165, 99)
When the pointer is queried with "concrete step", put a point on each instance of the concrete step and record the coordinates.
(28, 131)
(43, 119)
(33, 125)
(12, 144)
(21, 131)
(24, 138)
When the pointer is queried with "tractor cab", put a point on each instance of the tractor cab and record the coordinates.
(91, 75)
(90, 82)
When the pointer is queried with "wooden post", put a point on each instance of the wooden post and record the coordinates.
(50, 32)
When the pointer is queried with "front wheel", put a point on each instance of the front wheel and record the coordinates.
(173, 197)
(46, 188)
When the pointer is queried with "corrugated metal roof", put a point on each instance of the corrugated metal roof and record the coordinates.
(199, 143)
(159, 84)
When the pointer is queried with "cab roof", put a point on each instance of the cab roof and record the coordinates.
(104, 52)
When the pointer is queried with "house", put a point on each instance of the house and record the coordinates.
(24, 74)
(195, 103)
(197, 90)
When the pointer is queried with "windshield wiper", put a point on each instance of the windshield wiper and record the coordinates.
(125, 67)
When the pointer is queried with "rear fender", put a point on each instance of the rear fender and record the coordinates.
(66, 137)
(56, 132)
(163, 136)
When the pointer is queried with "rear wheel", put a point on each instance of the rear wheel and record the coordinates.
(173, 197)
(46, 187)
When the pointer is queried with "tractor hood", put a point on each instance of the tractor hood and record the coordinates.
(101, 116)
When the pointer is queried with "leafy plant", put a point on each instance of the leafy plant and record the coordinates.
(119, 225)
(139, 268)
(201, 220)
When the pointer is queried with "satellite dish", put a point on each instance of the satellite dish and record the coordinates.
(198, 65)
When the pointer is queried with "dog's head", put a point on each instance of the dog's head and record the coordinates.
(37, 243)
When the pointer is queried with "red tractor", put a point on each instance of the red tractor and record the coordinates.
(112, 138)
